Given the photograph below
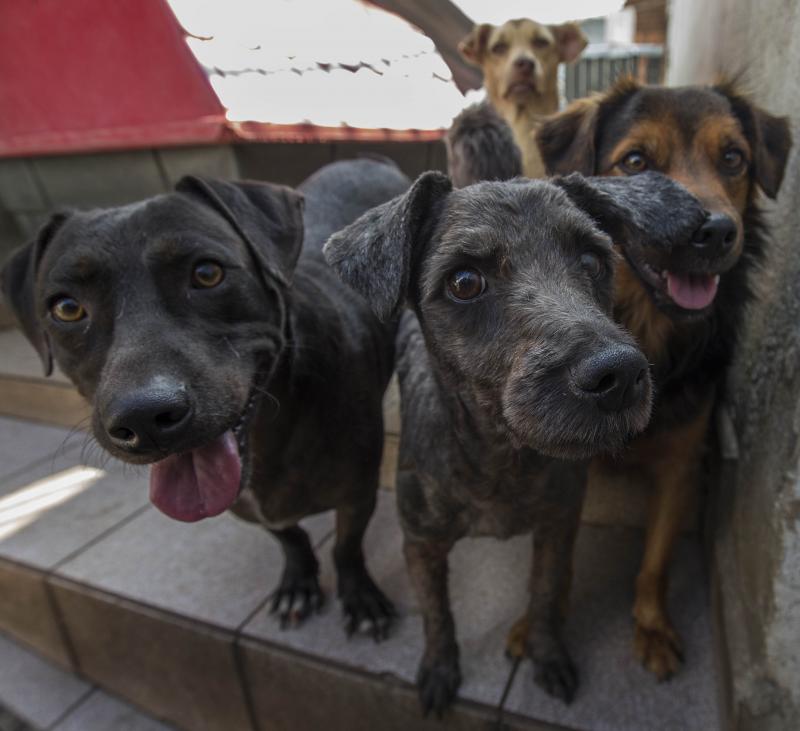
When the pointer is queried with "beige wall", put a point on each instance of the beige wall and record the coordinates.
(756, 518)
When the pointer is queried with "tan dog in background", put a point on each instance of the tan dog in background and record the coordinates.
(519, 60)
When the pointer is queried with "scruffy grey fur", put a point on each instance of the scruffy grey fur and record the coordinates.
(480, 146)
(497, 419)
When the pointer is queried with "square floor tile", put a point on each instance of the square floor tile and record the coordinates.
(23, 444)
(217, 570)
(60, 505)
(616, 693)
(487, 586)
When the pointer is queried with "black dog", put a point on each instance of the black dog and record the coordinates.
(511, 374)
(215, 345)
(480, 146)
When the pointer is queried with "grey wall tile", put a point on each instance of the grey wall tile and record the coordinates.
(98, 180)
(19, 191)
(217, 161)
(411, 157)
(284, 163)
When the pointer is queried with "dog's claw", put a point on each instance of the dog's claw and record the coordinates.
(296, 599)
(366, 609)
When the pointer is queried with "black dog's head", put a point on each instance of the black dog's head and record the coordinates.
(713, 140)
(512, 284)
(163, 313)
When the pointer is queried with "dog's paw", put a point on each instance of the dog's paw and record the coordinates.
(296, 598)
(553, 669)
(659, 650)
(557, 676)
(437, 683)
(517, 639)
(366, 608)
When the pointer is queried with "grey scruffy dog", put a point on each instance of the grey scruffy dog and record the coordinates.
(187, 318)
(511, 371)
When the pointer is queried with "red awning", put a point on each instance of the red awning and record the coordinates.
(88, 75)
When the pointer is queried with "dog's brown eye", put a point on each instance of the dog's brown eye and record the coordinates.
(67, 309)
(465, 284)
(499, 48)
(540, 43)
(591, 264)
(634, 162)
(207, 274)
(733, 159)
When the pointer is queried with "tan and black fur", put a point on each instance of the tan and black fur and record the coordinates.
(722, 148)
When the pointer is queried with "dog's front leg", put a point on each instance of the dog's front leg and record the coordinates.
(298, 593)
(362, 600)
(553, 545)
(538, 635)
(439, 674)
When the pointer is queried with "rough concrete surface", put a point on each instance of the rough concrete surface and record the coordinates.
(756, 543)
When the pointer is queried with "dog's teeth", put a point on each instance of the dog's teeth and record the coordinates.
(716, 279)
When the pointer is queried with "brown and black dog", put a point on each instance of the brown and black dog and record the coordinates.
(519, 60)
(685, 304)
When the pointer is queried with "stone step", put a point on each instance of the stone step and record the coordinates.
(174, 618)
(36, 695)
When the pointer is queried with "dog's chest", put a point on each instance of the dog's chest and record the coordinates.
(501, 518)
(508, 507)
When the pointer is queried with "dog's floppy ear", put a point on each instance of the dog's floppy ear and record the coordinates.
(570, 41)
(18, 282)
(647, 208)
(375, 255)
(473, 45)
(770, 139)
(567, 140)
(268, 217)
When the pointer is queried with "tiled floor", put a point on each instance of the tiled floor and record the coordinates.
(174, 617)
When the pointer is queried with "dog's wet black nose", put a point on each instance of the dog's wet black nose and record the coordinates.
(148, 419)
(615, 378)
(716, 236)
(523, 65)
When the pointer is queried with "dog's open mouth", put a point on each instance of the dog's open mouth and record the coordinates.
(204, 481)
(691, 291)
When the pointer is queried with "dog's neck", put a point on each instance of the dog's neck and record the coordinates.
(524, 118)
(479, 421)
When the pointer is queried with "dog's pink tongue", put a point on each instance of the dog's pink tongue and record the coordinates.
(197, 484)
(692, 291)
